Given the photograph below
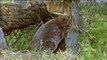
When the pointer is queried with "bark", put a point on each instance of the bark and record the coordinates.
(13, 16)
(72, 37)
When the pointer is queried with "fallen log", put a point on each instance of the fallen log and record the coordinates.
(13, 16)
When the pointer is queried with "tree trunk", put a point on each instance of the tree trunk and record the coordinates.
(72, 37)
(3, 44)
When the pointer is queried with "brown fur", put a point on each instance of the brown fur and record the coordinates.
(52, 34)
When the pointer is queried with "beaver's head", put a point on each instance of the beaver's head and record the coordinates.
(64, 22)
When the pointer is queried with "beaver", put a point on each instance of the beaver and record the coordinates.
(52, 34)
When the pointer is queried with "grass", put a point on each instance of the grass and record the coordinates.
(92, 41)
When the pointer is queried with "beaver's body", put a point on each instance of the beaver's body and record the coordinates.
(52, 34)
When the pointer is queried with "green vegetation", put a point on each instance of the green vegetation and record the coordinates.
(5, 1)
(92, 41)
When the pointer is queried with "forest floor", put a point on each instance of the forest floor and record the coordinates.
(92, 41)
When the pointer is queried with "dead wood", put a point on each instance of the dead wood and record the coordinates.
(14, 16)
